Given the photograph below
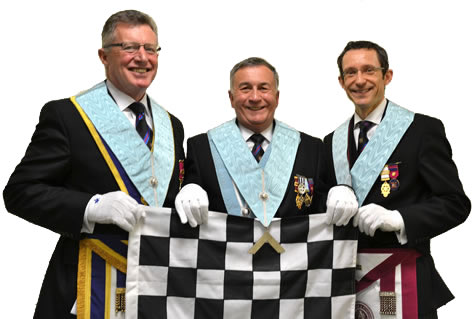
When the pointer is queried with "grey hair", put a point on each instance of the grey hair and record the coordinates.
(250, 62)
(131, 17)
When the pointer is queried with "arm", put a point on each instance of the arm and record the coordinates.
(444, 204)
(40, 189)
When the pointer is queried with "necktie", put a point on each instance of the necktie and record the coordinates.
(257, 149)
(141, 124)
(365, 126)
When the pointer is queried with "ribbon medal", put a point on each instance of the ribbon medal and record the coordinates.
(385, 188)
(304, 189)
(393, 174)
(181, 172)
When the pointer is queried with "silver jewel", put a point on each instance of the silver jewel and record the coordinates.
(153, 181)
(264, 196)
(244, 211)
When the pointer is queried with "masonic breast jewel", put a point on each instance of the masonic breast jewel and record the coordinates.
(389, 173)
(304, 189)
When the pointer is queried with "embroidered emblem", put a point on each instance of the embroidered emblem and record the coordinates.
(362, 311)
(181, 172)
(304, 189)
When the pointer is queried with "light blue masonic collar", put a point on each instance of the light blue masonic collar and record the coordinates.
(375, 155)
(121, 136)
(262, 185)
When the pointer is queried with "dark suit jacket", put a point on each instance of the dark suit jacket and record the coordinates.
(61, 170)
(430, 199)
(309, 162)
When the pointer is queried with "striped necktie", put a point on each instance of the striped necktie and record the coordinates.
(141, 124)
(257, 149)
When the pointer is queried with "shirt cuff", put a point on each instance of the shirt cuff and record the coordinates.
(88, 226)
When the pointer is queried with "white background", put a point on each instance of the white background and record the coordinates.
(49, 51)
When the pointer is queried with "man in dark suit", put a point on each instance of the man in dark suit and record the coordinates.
(400, 166)
(256, 166)
(92, 161)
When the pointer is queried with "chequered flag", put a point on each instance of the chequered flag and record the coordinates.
(175, 271)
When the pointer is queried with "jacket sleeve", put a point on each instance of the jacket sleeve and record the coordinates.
(38, 189)
(444, 204)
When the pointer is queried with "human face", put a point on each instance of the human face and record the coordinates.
(131, 73)
(365, 91)
(254, 97)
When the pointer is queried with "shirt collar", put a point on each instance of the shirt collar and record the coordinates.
(246, 133)
(375, 116)
(122, 99)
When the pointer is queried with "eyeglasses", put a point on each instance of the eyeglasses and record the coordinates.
(133, 47)
(365, 71)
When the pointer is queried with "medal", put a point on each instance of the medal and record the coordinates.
(303, 186)
(181, 171)
(385, 188)
(393, 174)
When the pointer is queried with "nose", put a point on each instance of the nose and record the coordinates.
(255, 95)
(141, 54)
(360, 79)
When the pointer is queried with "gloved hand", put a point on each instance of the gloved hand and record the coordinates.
(191, 204)
(372, 216)
(341, 205)
(114, 208)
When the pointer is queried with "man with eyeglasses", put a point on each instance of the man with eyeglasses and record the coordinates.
(94, 161)
(400, 166)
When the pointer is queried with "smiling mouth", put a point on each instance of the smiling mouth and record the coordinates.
(139, 70)
(361, 91)
(255, 108)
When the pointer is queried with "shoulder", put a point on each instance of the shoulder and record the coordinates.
(424, 124)
(198, 139)
(310, 140)
(176, 123)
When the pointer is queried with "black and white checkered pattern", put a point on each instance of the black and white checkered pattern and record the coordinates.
(175, 271)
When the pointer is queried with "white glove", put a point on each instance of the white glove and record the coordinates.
(114, 208)
(341, 205)
(191, 204)
(372, 216)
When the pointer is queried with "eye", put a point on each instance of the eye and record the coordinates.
(370, 70)
(130, 47)
(150, 48)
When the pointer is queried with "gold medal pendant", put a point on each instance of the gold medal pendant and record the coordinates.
(385, 189)
(299, 201)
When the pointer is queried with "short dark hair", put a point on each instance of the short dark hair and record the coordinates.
(250, 62)
(355, 45)
(132, 17)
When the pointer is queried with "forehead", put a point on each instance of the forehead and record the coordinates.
(254, 74)
(141, 33)
(360, 57)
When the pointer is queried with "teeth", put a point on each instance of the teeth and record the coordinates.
(139, 70)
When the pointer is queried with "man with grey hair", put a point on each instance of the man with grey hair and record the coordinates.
(256, 166)
(94, 161)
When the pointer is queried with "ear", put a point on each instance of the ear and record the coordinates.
(342, 81)
(103, 56)
(277, 97)
(231, 97)
(388, 76)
